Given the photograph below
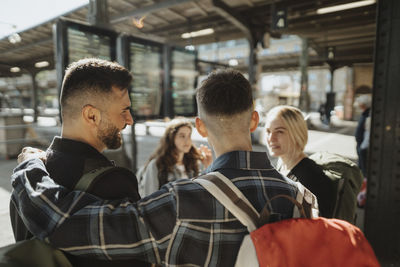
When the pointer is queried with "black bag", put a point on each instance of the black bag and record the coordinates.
(38, 253)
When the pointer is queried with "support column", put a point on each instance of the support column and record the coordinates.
(304, 101)
(168, 110)
(98, 13)
(252, 62)
(253, 34)
(382, 212)
(60, 54)
(330, 96)
(35, 101)
(122, 51)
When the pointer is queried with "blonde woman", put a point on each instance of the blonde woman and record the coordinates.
(287, 135)
(175, 157)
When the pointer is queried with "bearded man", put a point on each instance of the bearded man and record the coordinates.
(95, 107)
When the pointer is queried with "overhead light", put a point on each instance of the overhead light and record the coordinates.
(345, 6)
(189, 47)
(207, 31)
(41, 64)
(138, 22)
(14, 38)
(15, 69)
(233, 62)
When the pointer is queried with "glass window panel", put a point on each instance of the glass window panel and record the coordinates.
(184, 75)
(145, 65)
(83, 44)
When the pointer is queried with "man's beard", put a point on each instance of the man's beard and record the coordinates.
(109, 135)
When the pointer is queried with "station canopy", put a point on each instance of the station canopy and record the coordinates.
(340, 37)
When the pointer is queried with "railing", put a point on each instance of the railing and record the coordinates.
(13, 137)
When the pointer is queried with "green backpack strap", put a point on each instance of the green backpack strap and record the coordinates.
(87, 179)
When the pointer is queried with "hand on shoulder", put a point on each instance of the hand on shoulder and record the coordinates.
(31, 153)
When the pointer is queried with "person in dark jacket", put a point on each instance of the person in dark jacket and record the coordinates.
(95, 108)
(364, 103)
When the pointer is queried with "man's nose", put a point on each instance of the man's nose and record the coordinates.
(129, 119)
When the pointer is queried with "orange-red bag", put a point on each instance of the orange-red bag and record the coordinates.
(298, 242)
(312, 242)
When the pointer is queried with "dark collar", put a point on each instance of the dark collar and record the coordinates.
(75, 147)
(247, 160)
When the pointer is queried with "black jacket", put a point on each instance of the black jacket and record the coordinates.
(311, 175)
(67, 161)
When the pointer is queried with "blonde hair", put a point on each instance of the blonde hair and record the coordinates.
(295, 124)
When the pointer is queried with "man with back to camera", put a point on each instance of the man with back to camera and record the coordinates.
(95, 107)
(181, 224)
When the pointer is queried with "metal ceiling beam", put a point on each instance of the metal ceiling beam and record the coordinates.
(158, 18)
(365, 30)
(236, 19)
(200, 9)
(181, 17)
(147, 9)
(209, 38)
(343, 39)
(214, 18)
(350, 13)
(250, 32)
(28, 46)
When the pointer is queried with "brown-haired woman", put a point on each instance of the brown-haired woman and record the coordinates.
(175, 157)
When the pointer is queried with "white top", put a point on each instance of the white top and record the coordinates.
(148, 178)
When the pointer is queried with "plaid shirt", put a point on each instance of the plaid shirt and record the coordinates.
(179, 225)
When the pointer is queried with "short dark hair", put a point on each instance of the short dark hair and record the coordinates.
(225, 92)
(91, 77)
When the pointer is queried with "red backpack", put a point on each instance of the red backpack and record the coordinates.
(291, 242)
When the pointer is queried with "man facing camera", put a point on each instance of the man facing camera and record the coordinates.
(95, 107)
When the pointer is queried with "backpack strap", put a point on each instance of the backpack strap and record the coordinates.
(231, 198)
(86, 180)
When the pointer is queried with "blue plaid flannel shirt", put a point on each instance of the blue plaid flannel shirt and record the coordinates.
(179, 225)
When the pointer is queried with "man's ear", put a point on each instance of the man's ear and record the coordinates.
(255, 118)
(201, 127)
(91, 115)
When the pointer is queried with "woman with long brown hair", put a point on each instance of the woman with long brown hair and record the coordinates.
(175, 157)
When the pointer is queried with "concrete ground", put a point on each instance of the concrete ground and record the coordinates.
(337, 138)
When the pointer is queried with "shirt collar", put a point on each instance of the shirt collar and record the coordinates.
(74, 147)
(247, 160)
